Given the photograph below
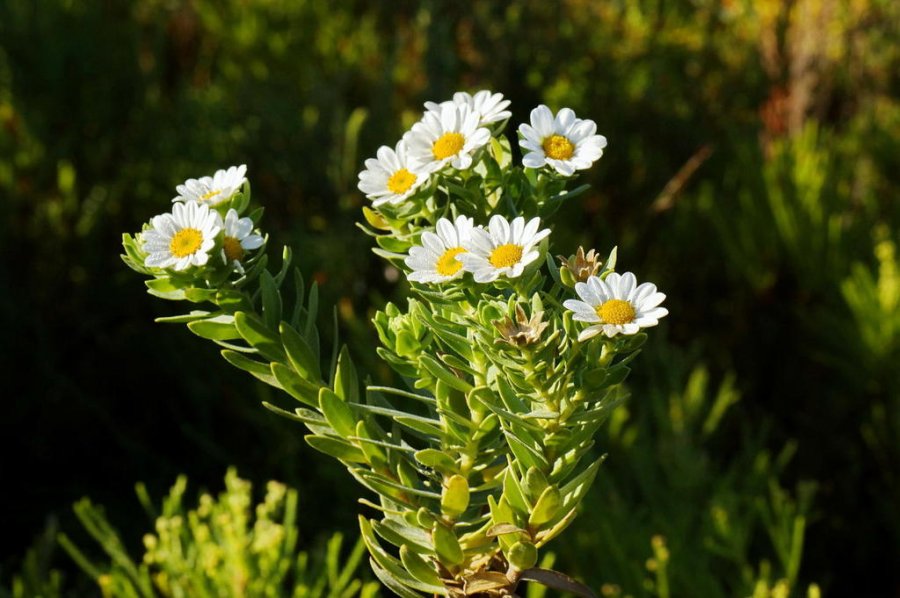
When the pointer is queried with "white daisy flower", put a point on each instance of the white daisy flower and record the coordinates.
(616, 305)
(437, 259)
(503, 249)
(215, 189)
(390, 178)
(238, 239)
(449, 136)
(565, 143)
(182, 238)
(490, 107)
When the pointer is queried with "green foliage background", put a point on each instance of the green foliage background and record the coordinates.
(752, 173)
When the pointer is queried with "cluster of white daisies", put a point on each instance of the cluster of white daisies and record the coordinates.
(448, 136)
(451, 132)
(194, 229)
(613, 305)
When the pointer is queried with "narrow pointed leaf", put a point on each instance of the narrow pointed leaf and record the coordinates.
(346, 382)
(422, 570)
(440, 372)
(271, 300)
(299, 353)
(389, 564)
(259, 370)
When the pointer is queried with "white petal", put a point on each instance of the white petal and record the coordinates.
(589, 332)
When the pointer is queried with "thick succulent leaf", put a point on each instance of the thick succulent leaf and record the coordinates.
(546, 507)
(337, 448)
(455, 496)
(447, 546)
(422, 570)
(337, 412)
(391, 582)
(398, 573)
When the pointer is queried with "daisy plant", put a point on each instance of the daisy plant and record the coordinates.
(507, 363)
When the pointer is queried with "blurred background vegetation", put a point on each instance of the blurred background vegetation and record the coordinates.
(752, 172)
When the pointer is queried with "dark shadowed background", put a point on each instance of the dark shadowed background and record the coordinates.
(752, 172)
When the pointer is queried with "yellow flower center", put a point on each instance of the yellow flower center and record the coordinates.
(401, 181)
(185, 242)
(615, 311)
(506, 256)
(447, 264)
(233, 250)
(558, 147)
(448, 145)
(210, 194)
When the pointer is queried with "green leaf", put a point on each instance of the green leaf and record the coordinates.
(346, 382)
(546, 507)
(502, 529)
(282, 412)
(437, 460)
(397, 573)
(335, 447)
(312, 310)
(299, 388)
(164, 289)
(199, 295)
(392, 244)
(421, 425)
(455, 496)
(271, 300)
(259, 370)
(526, 455)
(373, 451)
(232, 301)
(263, 339)
(522, 555)
(391, 582)
(184, 318)
(337, 412)
(545, 536)
(436, 369)
(512, 491)
(398, 532)
(299, 353)
(447, 546)
(535, 483)
(219, 328)
(422, 570)
(574, 490)
(458, 364)
(378, 480)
